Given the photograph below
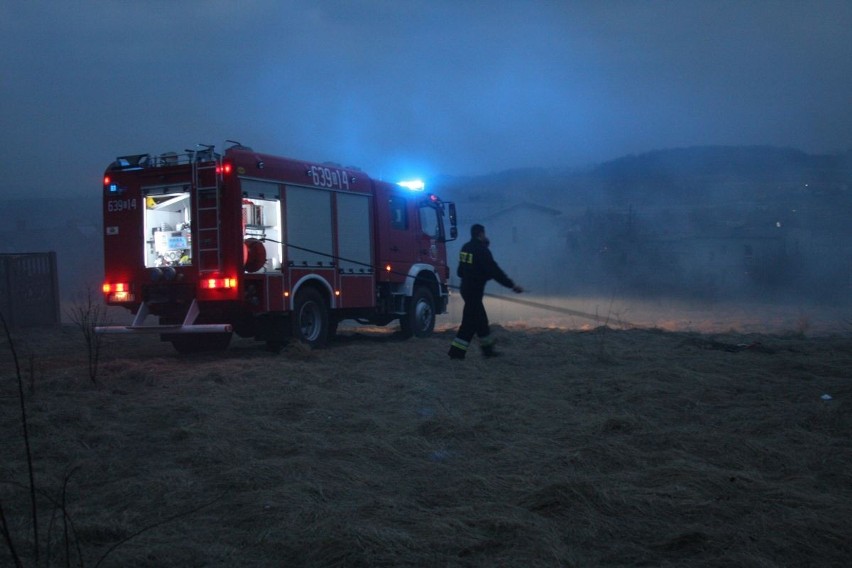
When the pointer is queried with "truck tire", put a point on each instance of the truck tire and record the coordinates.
(420, 319)
(309, 320)
(274, 329)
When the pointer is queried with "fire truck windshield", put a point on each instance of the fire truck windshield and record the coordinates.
(430, 221)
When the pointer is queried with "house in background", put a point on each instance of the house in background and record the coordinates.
(528, 241)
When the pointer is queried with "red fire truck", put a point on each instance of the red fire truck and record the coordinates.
(268, 247)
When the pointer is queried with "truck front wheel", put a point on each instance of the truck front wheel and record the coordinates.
(420, 319)
(309, 320)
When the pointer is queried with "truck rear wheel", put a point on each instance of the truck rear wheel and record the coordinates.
(420, 319)
(309, 320)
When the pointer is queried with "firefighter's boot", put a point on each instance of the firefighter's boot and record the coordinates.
(486, 344)
(489, 351)
(458, 349)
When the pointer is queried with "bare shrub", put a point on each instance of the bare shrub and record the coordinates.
(4, 526)
(87, 314)
(68, 544)
(601, 333)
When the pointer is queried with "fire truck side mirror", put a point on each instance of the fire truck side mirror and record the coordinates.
(454, 231)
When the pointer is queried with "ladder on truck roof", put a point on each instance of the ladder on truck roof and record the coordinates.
(206, 182)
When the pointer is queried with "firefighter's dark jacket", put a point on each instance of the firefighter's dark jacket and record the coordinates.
(477, 266)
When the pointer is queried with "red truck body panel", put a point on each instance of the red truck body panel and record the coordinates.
(238, 235)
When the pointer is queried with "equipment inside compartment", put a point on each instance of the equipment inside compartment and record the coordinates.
(261, 229)
(169, 235)
(168, 232)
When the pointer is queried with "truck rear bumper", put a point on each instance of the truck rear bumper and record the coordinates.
(170, 329)
(188, 325)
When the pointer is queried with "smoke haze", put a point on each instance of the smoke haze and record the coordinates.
(460, 94)
(403, 88)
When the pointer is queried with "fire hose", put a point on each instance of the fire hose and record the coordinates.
(527, 303)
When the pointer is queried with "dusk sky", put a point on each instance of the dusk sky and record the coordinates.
(404, 88)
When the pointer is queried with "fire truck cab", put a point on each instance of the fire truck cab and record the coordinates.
(268, 247)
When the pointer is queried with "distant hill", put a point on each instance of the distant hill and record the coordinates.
(698, 174)
(720, 168)
(715, 161)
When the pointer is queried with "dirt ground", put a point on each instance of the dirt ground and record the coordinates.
(596, 447)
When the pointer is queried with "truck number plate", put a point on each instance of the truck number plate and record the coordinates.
(116, 205)
(329, 177)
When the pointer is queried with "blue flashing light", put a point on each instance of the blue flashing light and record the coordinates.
(413, 185)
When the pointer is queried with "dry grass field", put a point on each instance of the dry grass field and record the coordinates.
(598, 447)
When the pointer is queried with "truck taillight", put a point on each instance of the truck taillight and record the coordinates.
(118, 292)
(219, 283)
(224, 169)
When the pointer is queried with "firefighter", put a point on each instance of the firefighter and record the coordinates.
(476, 268)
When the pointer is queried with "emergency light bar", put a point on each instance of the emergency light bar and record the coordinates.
(413, 185)
(130, 163)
